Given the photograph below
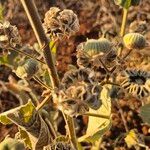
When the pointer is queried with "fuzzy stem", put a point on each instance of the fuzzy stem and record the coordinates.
(43, 41)
(123, 27)
(36, 24)
(124, 21)
(122, 116)
(128, 53)
(42, 104)
(71, 130)
(97, 115)
(41, 83)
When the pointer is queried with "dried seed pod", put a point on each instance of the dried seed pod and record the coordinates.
(9, 35)
(134, 41)
(73, 77)
(61, 23)
(93, 46)
(91, 97)
(70, 101)
(95, 63)
(109, 58)
(79, 91)
(27, 70)
(138, 26)
(89, 53)
(83, 59)
(137, 83)
(73, 108)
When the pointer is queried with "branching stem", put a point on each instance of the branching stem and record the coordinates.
(122, 116)
(41, 83)
(124, 21)
(42, 104)
(43, 41)
(123, 27)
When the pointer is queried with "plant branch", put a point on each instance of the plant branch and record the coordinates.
(43, 41)
(97, 115)
(124, 21)
(71, 130)
(41, 83)
(123, 27)
(122, 116)
(46, 100)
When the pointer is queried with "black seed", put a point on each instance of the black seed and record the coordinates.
(139, 89)
(142, 93)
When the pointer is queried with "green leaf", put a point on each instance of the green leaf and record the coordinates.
(80, 146)
(24, 136)
(24, 111)
(1, 12)
(54, 48)
(46, 78)
(9, 59)
(3, 60)
(98, 126)
(133, 138)
(27, 111)
(4, 119)
(144, 113)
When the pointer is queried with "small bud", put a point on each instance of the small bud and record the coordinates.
(123, 3)
(93, 46)
(28, 69)
(126, 3)
(134, 41)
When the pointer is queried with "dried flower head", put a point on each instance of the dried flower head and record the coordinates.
(79, 92)
(28, 69)
(9, 35)
(134, 41)
(91, 53)
(138, 26)
(61, 23)
(137, 83)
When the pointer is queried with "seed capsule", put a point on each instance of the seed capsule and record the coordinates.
(120, 2)
(28, 69)
(134, 41)
(126, 4)
(93, 46)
